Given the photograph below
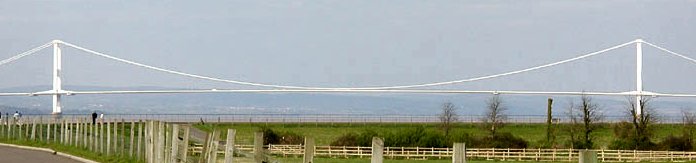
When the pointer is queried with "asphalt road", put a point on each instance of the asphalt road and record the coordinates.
(9, 154)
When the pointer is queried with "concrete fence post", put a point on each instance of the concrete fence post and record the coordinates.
(459, 155)
(377, 150)
(115, 138)
(588, 156)
(229, 145)
(48, 131)
(78, 132)
(258, 147)
(309, 150)
(108, 138)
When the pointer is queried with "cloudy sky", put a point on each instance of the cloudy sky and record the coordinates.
(353, 43)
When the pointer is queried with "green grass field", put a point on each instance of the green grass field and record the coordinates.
(324, 133)
(76, 151)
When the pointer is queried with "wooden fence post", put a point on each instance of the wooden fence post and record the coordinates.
(229, 145)
(308, 150)
(62, 132)
(175, 143)
(214, 143)
(377, 150)
(95, 134)
(140, 138)
(149, 141)
(258, 147)
(100, 138)
(204, 152)
(85, 133)
(115, 138)
(123, 137)
(167, 142)
(33, 129)
(160, 140)
(132, 138)
(184, 155)
(56, 135)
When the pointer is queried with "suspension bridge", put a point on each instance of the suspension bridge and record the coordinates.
(58, 92)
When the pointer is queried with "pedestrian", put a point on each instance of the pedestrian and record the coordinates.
(94, 118)
(16, 117)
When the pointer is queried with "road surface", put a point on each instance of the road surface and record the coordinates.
(10, 154)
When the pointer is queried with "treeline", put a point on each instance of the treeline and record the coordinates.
(636, 133)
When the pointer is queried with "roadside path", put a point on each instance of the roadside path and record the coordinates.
(10, 154)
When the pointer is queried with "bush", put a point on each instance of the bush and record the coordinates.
(632, 143)
(461, 137)
(351, 139)
(417, 137)
(674, 143)
(365, 138)
(503, 140)
(291, 138)
(348, 139)
(271, 137)
(626, 139)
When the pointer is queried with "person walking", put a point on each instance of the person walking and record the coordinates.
(16, 117)
(94, 118)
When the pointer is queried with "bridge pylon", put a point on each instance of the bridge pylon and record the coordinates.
(57, 83)
(639, 77)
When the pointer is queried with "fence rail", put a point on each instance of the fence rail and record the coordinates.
(502, 154)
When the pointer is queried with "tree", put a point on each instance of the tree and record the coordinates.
(591, 114)
(583, 121)
(448, 116)
(688, 120)
(642, 123)
(494, 117)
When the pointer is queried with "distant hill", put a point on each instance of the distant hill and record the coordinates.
(304, 103)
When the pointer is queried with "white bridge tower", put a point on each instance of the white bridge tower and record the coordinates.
(57, 83)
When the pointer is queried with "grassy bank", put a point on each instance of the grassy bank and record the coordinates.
(79, 152)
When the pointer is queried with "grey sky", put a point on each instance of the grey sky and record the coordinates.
(353, 43)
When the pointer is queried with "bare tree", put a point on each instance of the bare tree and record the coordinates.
(688, 120)
(495, 116)
(448, 116)
(642, 122)
(573, 129)
(583, 121)
(591, 114)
